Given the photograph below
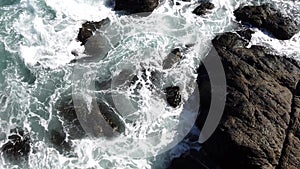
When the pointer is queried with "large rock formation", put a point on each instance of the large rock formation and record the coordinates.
(136, 6)
(260, 125)
(268, 18)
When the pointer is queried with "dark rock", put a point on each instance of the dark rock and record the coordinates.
(266, 17)
(88, 28)
(59, 140)
(173, 96)
(136, 6)
(290, 156)
(260, 121)
(247, 34)
(174, 57)
(193, 160)
(18, 145)
(203, 8)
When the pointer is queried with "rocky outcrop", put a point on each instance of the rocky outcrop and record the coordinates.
(173, 96)
(266, 17)
(87, 30)
(203, 8)
(18, 145)
(260, 125)
(136, 6)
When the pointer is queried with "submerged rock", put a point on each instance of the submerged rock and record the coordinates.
(136, 6)
(174, 57)
(88, 28)
(71, 123)
(266, 17)
(203, 8)
(173, 96)
(90, 122)
(59, 140)
(260, 124)
(18, 145)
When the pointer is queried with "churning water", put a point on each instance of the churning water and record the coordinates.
(37, 38)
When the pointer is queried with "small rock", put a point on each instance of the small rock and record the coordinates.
(203, 8)
(136, 6)
(173, 96)
(88, 28)
(174, 57)
(18, 145)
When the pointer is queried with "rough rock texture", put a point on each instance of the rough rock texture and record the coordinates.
(290, 157)
(260, 124)
(173, 96)
(136, 6)
(268, 18)
(88, 28)
(203, 8)
(18, 145)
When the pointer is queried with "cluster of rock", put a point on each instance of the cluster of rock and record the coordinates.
(261, 122)
(260, 127)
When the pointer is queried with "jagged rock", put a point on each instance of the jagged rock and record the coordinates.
(88, 28)
(173, 96)
(136, 6)
(203, 8)
(255, 130)
(247, 34)
(18, 145)
(266, 17)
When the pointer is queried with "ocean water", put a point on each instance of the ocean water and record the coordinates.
(37, 38)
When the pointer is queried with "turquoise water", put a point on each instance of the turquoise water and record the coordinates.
(36, 40)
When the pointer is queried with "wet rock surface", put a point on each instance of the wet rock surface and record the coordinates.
(173, 96)
(18, 145)
(268, 18)
(88, 28)
(136, 6)
(203, 8)
(260, 123)
(173, 57)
